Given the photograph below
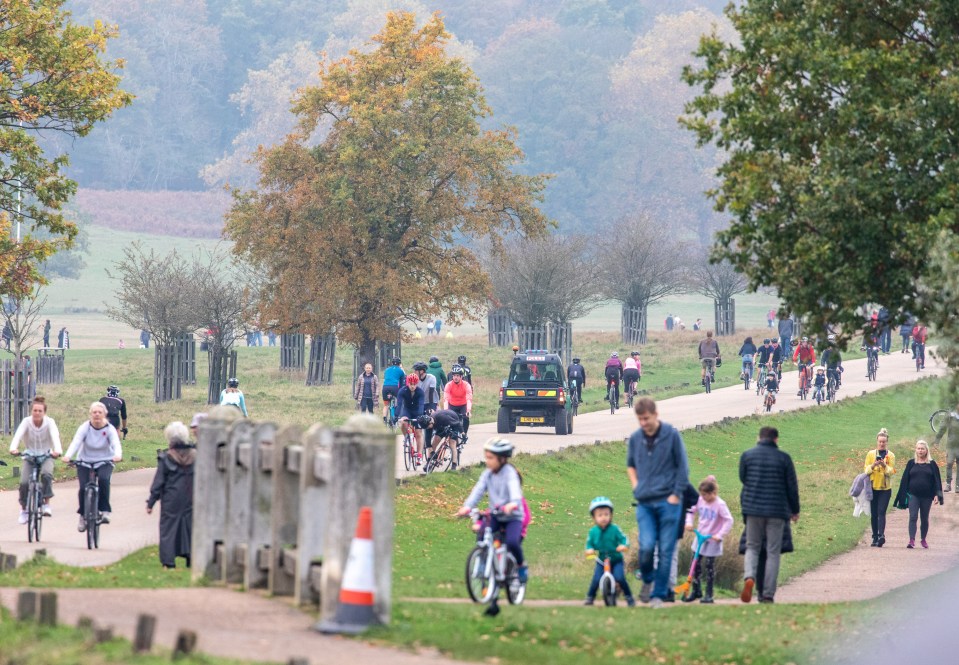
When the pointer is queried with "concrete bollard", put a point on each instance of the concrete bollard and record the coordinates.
(239, 501)
(261, 535)
(48, 608)
(361, 474)
(210, 491)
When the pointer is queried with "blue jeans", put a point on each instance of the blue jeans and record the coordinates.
(658, 525)
(619, 574)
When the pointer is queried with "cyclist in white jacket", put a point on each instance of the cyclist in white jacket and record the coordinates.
(39, 434)
(95, 441)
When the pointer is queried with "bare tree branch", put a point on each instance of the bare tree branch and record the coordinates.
(20, 316)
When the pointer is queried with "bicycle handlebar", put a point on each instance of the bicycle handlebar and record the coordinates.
(90, 465)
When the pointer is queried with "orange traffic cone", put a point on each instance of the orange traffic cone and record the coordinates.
(354, 614)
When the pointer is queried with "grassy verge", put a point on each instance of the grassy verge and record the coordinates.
(30, 644)
(827, 445)
(140, 570)
(572, 635)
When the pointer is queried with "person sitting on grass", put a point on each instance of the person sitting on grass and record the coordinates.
(606, 540)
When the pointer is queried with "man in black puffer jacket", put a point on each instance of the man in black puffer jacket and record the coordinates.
(769, 498)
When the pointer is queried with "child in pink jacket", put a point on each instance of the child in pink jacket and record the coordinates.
(714, 520)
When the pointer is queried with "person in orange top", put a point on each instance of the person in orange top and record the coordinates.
(458, 396)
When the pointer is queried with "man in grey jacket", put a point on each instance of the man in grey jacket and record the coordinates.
(658, 470)
(770, 496)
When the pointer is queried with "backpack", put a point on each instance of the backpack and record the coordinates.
(113, 409)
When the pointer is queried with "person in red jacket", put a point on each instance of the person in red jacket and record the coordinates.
(805, 356)
(919, 335)
(458, 396)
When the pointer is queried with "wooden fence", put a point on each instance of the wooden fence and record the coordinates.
(633, 325)
(561, 340)
(17, 390)
(500, 327)
(167, 382)
(49, 367)
(222, 369)
(725, 317)
(276, 508)
(186, 344)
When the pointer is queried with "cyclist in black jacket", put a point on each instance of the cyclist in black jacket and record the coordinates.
(467, 372)
(578, 372)
(116, 409)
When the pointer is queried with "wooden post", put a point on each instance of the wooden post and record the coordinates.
(84, 622)
(285, 509)
(8, 561)
(146, 627)
(185, 644)
(210, 490)
(363, 457)
(104, 634)
(48, 608)
(239, 478)
(261, 534)
(314, 501)
(27, 605)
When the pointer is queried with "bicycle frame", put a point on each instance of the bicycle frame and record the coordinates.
(35, 499)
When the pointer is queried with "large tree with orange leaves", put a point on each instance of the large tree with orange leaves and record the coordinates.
(53, 80)
(363, 215)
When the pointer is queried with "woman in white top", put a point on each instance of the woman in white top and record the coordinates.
(95, 441)
(39, 434)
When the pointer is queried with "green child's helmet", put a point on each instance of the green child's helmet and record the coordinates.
(600, 502)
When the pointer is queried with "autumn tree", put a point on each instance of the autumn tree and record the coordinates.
(842, 156)
(641, 262)
(55, 81)
(720, 281)
(365, 228)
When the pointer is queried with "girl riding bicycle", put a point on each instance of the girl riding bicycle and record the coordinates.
(502, 482)
(95, 441)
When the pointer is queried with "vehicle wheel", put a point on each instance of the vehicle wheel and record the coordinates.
(608, 588)
(562, 422)
(479, 581)
(938, 420)
(504, 418)
(515, 590)
(512, 424)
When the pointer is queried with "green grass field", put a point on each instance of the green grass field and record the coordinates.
(140, 570)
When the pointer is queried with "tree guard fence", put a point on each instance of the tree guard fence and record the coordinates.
(49, 368)
(533, 337)
(222, 368)
(292, 351)
(725, 316)
(385, 351)
(322, 354)
(17, 390)
(633, 325)
(187, 351)
(561, 340)
(167, 381)
(500, 327)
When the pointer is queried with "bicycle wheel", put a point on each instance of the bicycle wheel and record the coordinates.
(515, 590)
(708, 381)
(938, 420)
(613, 398)
(33, 512)
(575, 405)
(407, 456)
(444, 457)
(480, 582)
(607, 586)
(91, 515)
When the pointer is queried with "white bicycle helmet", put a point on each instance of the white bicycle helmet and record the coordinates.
(600, 502)
(499, 446)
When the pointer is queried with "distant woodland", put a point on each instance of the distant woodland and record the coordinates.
(591, 86)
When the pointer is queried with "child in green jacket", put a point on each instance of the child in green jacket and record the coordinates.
(606, 541)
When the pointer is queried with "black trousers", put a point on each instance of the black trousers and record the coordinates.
(103, 476)
(366, 405)
(877, 508)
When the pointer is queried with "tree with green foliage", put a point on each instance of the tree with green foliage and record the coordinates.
(53, 80)
(365, 228)
(842, 167)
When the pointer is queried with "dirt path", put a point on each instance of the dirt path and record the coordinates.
(228, 624)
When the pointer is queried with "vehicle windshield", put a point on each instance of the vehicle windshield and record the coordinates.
(535, 371)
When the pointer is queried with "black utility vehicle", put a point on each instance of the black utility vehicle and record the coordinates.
(535, 394)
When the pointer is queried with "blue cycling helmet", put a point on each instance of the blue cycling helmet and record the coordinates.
(600, 502)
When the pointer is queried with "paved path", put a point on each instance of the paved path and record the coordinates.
(698, 409)
(229, 624)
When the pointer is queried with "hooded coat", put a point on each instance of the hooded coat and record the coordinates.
(173, 487)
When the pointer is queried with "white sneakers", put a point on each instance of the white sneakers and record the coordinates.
(24, 516)
(47, 510)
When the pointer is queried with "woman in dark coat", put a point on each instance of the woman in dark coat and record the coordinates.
(173, 486)
(920, 485)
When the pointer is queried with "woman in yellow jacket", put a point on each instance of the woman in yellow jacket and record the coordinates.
(880, 465)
